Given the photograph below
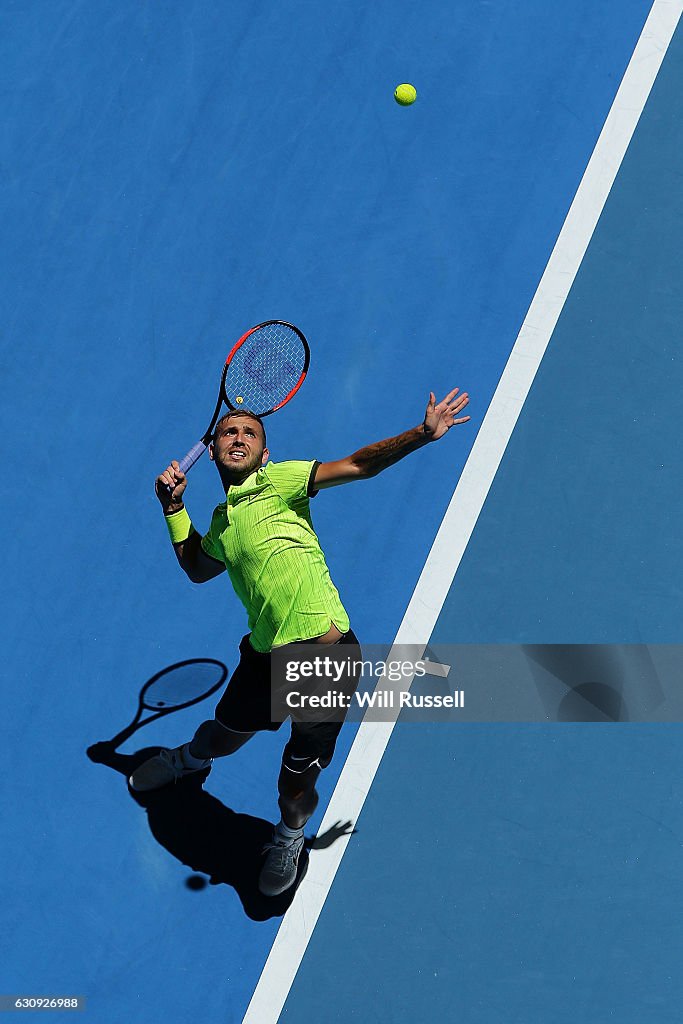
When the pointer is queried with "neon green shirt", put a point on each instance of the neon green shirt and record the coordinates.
(264, 536)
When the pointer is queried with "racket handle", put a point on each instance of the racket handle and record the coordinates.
(191, 457)
(188, 461)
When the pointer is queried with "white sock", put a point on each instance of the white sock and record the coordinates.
(288, 833)
(189, 760)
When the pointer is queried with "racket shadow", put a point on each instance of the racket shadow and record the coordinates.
(175, 688)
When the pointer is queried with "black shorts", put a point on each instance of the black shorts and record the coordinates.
(246, 706)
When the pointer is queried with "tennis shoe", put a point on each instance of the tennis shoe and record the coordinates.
(281, 865)
(165, 767)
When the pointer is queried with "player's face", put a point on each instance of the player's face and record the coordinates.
(238, 447)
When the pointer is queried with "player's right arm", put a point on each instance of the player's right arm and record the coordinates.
(196, 565)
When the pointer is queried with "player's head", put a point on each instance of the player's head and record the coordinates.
(239, 445)
(235, 413)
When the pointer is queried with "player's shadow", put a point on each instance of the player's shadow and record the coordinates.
(208, 837)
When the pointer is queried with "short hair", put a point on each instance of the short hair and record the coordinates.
(240, 412)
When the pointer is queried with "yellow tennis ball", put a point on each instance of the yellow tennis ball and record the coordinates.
(239, 399)
(405, 94)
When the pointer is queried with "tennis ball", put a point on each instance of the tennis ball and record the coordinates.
(405, 94)
(239, 399)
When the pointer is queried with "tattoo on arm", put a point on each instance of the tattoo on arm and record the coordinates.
(376, 457)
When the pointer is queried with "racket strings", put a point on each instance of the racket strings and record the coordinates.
(265, 368)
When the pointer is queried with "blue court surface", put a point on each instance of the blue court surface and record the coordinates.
(173, 174)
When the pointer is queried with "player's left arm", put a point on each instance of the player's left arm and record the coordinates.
(371, 460)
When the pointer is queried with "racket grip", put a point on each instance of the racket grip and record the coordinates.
(188, 461)
(194, 453)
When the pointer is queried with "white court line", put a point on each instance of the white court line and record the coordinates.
(470, 494)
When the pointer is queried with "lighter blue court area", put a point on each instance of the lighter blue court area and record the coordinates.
(173, 176)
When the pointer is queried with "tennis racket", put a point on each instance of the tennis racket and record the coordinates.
(174, 688)
(263, 371)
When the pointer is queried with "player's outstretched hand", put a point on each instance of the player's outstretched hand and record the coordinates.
(440, 418)
(174, 479)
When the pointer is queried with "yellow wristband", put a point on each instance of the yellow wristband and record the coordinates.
(179, 526)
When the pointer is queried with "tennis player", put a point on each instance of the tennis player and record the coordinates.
(263, 535)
